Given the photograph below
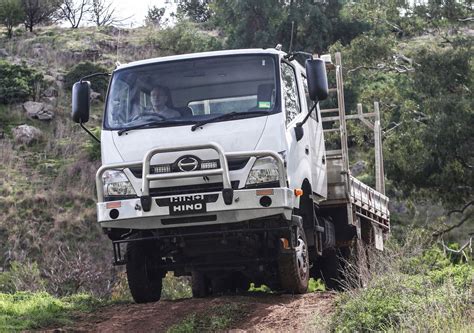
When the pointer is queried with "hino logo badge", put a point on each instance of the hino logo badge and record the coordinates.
(188, 163)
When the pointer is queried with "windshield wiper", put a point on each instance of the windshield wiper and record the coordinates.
(226, 116)
(149, 124)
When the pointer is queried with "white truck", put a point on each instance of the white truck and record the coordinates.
(237, 185)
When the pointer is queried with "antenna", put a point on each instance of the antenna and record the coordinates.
(291, 38)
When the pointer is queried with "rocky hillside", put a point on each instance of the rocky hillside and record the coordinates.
(49, 239)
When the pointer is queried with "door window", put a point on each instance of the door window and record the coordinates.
(309, 102)
(290, 92)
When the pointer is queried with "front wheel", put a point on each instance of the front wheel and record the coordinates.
(143, 273)
(200, 285)
(293, 266)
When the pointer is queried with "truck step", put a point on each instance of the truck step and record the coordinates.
(332, 153)
(326, 119)
(329, 110)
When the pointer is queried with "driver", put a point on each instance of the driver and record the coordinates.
(159, 98)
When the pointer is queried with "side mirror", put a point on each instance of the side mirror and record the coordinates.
(317, 79)
(81, 101)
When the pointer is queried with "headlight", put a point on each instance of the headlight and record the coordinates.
(117, 184)
(264, 170)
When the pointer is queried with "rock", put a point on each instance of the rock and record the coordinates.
(32, 108)
(26, 134)
(50, 100)
(51, 92)
(37, 110)
(47, 113)
(358, 168)
(3, 53)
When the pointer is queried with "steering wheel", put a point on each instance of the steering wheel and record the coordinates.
(148, 115)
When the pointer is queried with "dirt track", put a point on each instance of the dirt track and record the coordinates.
(279, 313)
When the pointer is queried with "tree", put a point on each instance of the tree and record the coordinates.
(249, 23)
(73, 11)
(435, 155)
(11, 14)
(155, 16)
(103, 13)
(196, 10)
(38, 11)
(267, 23)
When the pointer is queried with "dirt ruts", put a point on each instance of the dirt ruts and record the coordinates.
(259, 312)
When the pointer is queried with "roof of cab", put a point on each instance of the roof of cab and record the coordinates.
(199, 55)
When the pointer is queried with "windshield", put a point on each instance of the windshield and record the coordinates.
(192, 91)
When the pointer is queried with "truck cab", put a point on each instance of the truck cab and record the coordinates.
(222, 176)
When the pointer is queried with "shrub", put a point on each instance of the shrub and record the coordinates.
(91, 146)
(98, 84)
(176, 287)
(184, 37)
(22, 276)
(17, 82)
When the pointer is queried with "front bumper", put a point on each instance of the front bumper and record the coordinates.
(245, 206)
(227, 206)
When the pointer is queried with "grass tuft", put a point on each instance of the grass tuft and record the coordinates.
(218, 318)
(26, 310)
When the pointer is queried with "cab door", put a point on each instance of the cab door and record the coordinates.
(298, 154)
(317, 146)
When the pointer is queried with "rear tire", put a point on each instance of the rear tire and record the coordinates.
(143, 273)
(330, 269)
(293, 266)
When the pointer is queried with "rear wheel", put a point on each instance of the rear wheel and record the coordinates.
(330, 268)
(143, 273)
(294, 266)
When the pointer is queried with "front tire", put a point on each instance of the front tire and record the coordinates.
(200, 285)
(143, 273)
(293, 266)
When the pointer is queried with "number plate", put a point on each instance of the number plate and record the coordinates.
(191, 204)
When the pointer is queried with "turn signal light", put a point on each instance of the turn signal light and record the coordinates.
(298, 192)
(284, 243)
(113, 204)
(268, 191)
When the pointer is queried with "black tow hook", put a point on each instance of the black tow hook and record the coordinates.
(228, 195)
(146, 203)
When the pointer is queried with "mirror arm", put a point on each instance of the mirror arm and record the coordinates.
(94, 75)
(300, 124)
(89, 132)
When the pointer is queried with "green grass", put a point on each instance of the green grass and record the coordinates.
(218, 318)
(417, 293)
(26, 310)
